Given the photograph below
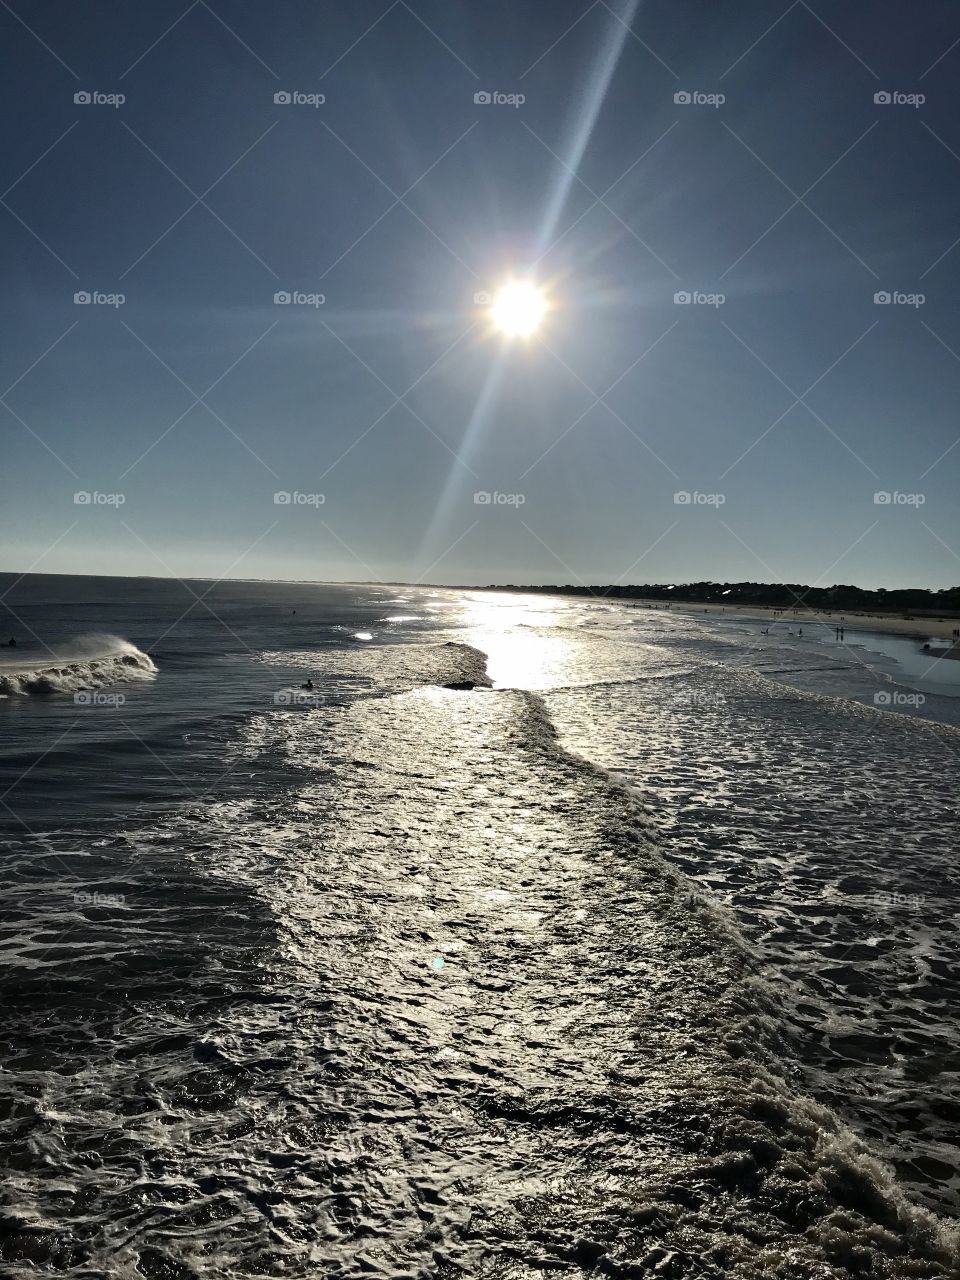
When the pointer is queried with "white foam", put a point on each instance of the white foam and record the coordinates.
(85, 662)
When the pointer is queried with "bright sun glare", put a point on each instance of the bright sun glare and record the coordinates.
(518, 308)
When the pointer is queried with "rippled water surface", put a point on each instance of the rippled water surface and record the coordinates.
(624, 956)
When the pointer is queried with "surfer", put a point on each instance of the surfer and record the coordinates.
(308, 685)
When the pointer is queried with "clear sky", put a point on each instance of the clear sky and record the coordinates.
(781, 399)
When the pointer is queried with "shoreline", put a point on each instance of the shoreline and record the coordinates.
(891, 624)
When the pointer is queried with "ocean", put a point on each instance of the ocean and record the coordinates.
(538, 935)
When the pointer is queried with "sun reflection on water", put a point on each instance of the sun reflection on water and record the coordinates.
(525, 638)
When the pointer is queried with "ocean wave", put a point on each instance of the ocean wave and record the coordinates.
(387, 669)
(600, 1029)
(786, 808)
(436, 1004)
(86, 662)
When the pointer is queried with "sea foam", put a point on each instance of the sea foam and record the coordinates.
(85, 662)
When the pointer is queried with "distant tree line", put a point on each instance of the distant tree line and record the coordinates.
(779, 595)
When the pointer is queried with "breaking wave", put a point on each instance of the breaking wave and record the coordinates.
(439, 998)
(86, 662)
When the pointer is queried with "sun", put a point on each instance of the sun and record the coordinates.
(518, 309)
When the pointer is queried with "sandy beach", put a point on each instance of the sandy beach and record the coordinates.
(939, 628)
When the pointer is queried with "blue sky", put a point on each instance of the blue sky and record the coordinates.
(782, 409)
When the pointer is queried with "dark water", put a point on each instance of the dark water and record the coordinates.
(637, 958)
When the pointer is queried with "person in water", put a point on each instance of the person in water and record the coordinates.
(12, 642)
(308, 685)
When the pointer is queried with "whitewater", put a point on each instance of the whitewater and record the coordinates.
(84, 663)
(536, 936)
